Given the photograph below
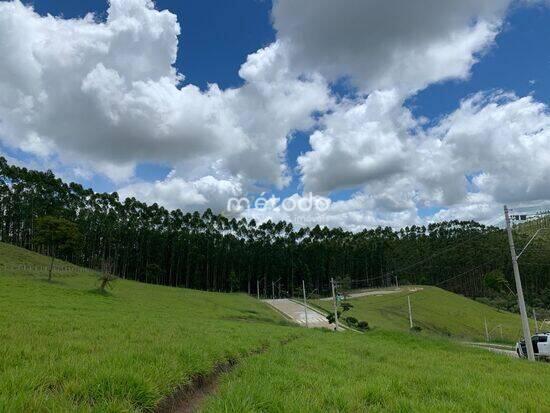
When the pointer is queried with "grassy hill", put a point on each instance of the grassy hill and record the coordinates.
(65, 348)
(436, 311)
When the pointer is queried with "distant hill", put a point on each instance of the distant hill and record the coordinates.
(436, 311)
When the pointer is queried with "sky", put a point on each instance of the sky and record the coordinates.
(353, 113)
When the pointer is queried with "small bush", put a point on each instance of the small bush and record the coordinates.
(416, 329)
(363, 326)
(331, 319)
(106, 276)
(351, 321)
(346, 306)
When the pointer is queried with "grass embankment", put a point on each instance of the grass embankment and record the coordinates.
(436, 311)
(382, 371)
(66, 347)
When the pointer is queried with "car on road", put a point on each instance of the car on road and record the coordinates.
(541, 346)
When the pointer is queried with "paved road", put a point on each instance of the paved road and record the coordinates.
(505, 350)
(296, 312)
(376, 292)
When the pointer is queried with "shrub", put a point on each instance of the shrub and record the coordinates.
(363, 326)
(331, 319)
(106, 276)
(351, 321)
(416, 329)
(346, 306)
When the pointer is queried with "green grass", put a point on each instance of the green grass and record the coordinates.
(382, 371)
(436, 311)
(65, 347)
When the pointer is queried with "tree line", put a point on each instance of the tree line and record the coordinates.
(214, 252)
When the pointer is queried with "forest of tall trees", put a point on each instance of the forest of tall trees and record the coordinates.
(213, 252)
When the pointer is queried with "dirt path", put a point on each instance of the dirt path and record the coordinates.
(190, 397)
(296, 312)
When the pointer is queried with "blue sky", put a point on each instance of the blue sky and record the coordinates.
(520, 56)
(217, 37)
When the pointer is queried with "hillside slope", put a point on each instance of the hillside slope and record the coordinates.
(66, 347)
(436, 311)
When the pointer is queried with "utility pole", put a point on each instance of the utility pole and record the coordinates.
(410, 311)
(305, 301)
(258, 288)
(519, 288)
(536, 323)
(396, 282)
(335, 304)
(486, 330)
(273, 289)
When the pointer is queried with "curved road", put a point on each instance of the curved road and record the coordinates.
(296, 312)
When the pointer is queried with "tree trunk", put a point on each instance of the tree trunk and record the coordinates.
(51, 267)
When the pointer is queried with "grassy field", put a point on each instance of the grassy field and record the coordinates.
(382, 371)
(65, 347)
(436, 311)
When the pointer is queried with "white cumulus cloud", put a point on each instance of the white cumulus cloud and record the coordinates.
(102, 96)
(106, 94)
(175, 192)
(388, 44)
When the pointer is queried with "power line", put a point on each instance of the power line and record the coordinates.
(543, 264)
(437, 284)
(438, 253)
(368, 279)
(445, 249)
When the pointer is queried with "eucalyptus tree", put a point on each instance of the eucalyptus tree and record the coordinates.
(211, 251)
(58, 236)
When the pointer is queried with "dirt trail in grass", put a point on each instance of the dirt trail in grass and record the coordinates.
(190, 397)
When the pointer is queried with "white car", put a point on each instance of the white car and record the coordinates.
(541, 346)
